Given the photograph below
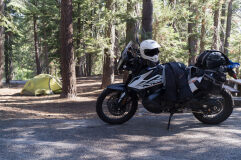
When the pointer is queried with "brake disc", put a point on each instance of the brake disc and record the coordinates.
(113, 106)
(213, 106)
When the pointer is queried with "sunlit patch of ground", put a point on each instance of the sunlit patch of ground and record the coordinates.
(12, 105)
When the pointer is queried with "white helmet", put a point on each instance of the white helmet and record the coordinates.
(149, 50)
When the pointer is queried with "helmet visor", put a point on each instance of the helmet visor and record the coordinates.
(151, 52)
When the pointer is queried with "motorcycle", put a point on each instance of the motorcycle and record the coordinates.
(210, 103)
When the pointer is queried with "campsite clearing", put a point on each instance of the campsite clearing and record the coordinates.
(13, 105)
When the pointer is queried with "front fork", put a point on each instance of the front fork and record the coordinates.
(123, 88)
(122, 98)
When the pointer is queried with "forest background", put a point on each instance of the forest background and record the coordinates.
(33, 35)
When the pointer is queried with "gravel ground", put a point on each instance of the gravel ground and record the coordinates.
(143, 137)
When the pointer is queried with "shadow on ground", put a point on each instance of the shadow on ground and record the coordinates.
(140, 138)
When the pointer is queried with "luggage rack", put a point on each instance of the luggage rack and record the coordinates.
(234, 86)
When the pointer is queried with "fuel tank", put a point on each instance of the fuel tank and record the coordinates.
(148, 78)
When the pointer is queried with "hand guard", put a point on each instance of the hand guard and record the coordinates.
(233, 65)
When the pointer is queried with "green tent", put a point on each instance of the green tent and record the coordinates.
(42, 84)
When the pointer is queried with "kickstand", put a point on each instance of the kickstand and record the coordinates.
(169, 121)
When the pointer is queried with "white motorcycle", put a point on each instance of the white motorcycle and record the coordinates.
(210, 102)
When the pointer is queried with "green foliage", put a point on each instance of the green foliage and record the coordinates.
(90, 21)
(170, 32)
(23, 74)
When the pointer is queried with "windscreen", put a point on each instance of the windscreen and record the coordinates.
(124, 56)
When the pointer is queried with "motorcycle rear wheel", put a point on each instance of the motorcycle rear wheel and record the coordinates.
(108, 110)
(222, 115)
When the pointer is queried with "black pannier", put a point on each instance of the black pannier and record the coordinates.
(211, 59)
(177, 88)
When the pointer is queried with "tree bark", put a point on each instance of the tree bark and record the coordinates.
(228, 26)
(1, 44)
(216, 25)
(131, 24)
(78, 66)
(203, 29)
(147, 13)
(116, 51)
(108, 68)
(192, 34)
(67, 51)
(117, 44)
(38, 67)
(8, 57)
(222, 27)
(44, 45)
(88, 63)
(46, 54)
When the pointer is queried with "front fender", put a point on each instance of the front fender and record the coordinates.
(118, 87)
(121, 87)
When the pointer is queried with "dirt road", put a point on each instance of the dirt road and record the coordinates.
(144, 137)
(51, 128)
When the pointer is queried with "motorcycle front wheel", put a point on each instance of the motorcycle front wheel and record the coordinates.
(111, 111)
(219, 111)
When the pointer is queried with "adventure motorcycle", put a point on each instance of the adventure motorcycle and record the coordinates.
(197, 89)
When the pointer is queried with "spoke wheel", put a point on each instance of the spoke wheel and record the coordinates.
(110, 110)
(217, 109)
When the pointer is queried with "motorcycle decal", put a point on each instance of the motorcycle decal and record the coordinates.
(140, 82)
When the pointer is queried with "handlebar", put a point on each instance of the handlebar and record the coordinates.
(233, 65)
(229, 68)
(221, 69)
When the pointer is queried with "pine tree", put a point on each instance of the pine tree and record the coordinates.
(222, 27)
(1, 43)
(78, 66)
(192, 33)
(228, 27)
(131, 25)
(8, 52)
(147, 14)
(203, 28)
(108, 67)
(67, 51)
(36, 45)
(216, 25)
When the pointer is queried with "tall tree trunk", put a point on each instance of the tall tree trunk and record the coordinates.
(46, 54)
(222, 32)
(45, 42)
(108, 68)
(116, 51)
(131, 23)
(88, 64)
(172, 4)
(203, 29)
(78, 66)
(216, 25)
(131, 26)
(116, 45)
(147, 13)
(192, 34)
(8, 57)
(67, 51)
(36, 45)
(228, 27)
(1, 44)
(92, 34)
